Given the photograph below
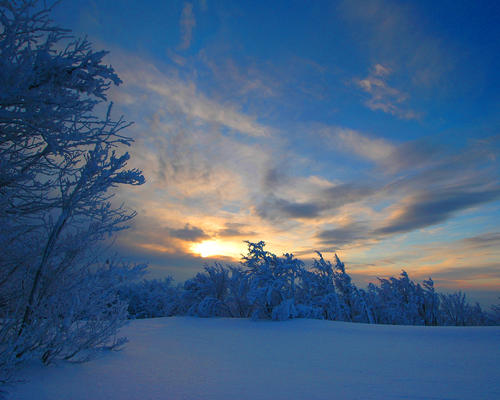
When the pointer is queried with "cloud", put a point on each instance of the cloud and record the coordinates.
(370, 148)
(389, 31)
(345, 193)
(484, 240)
(234, 229)
(231, 176)
(422, 184)
(245, 80)
(175, 93)
(338, 237)
(382, 96)
(326, 199)
(380, 70)
(388, 156)
(189, 233)
(187, 24)
(374, 149)
(273, 208)
(470, 272)
(426, 209)
(274, 177)
(186, 99)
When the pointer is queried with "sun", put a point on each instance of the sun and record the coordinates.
(209, 248)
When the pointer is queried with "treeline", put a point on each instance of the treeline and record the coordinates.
(266, 286)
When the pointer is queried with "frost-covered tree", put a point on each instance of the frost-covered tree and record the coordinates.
(430, 307)
(239, 287)
(495, 314)
(319, 299)
(59, 160)
(217, 292)
(270, 287)
(399, 301)
(456, 310)
(274, 282)
(353, 301)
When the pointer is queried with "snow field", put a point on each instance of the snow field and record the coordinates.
(215, 358)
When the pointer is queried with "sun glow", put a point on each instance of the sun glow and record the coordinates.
(209, 248)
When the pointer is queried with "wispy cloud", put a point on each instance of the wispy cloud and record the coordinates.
(187, 24)
(434, 207)
(321, 201)
(420, 186)
(197, 105)
(346, 234)
(390, 33)
(235, 230)
(382, 96)
(176, 95)
(371, 148)
(240, 79)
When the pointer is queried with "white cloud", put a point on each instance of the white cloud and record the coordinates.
(187, 23)
(184, 97)
(380, 70)
(382, 96)
(374, 149)
(196, 105)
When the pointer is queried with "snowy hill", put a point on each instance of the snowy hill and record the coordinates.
(194, 358)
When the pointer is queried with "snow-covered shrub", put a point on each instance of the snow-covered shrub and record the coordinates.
(279, 288)
(352, 300)
(399, 301)
(495, 314)
(152, 298)
(318, 296)
(239, 287)
(207, 294)
(273, 281)
(430, 308)
(456, 310)
(330, 293)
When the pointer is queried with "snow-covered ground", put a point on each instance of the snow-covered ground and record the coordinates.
(193, 358)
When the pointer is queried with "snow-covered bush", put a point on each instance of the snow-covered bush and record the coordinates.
(274, 282)
(319, 298)
(398, 301)
(430, 308)
(218, 292)
(352, 300)
(495, 314)
(239, 286)
(270, 287)
(401, 301)
(206, 295)
(58, 162)
(151, 298)
(456, 310)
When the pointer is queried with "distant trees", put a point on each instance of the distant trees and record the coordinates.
(58, 162)
(266, 286)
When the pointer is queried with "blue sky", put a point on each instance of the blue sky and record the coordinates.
(368, 128)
